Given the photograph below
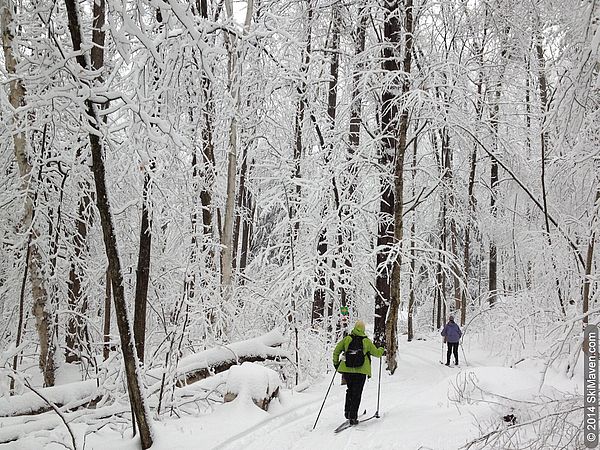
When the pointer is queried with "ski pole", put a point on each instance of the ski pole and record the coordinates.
(442, 351)
(378, 387)
(463, 352)
(330, 384)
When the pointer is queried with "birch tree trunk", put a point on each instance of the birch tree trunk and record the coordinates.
(16, 96)
(235, 51)
(227, 231)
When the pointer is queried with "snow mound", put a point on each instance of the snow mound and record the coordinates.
(254, 382)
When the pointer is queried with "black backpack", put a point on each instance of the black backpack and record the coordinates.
(355, 355)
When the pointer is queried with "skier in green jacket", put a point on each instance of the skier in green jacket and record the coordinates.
(355, 367)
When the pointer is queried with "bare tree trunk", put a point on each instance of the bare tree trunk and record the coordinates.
(77, 327)
(243, 215)
(238, 219)
(227, 232)
(589, 261)
(544, 144)
(143, 270)
(332, 113)
(468, 226)
(478, 48)
(21, 313)
(529, 268)
(389, 143)
(299, 119)
(493, 257)
(203, 170)
(16, 96)
(110, 242)
(411, 291)
(246, 231)
(544, 134)
(391, 325)
(444, 261)
(234, 84)
(319, 295)
(449, 196)
(346, 212)
(356, 101)
(494, 177)
(441, 227)
(208, 161)
(106, 324)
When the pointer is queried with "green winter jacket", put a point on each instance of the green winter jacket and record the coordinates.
(368, 348)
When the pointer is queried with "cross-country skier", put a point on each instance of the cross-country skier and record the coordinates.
(356, 366)
(452, 334)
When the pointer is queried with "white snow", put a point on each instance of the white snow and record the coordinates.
(252, 381)
(260, 346)
(423, 405)
(70, 394)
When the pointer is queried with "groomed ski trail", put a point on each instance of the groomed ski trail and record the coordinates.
(409, 401)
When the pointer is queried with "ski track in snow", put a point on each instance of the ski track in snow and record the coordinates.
(419, 369)
(415, 407)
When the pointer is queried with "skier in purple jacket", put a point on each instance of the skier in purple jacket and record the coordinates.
(452, 334)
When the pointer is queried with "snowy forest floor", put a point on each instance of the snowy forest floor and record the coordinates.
(424, 405)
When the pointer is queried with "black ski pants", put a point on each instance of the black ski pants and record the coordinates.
(452, 348)
(355, 382)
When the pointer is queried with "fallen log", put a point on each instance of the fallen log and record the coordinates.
(192, 368)
(67, 397)
(33, 424)
(201, 365)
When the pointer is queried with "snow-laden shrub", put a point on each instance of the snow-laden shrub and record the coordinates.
(522, 414)
(520, 327)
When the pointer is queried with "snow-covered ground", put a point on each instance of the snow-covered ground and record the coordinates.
(424, 405)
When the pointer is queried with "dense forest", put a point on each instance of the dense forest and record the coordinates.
(177, 176)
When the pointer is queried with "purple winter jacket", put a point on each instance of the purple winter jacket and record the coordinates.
(451, 332)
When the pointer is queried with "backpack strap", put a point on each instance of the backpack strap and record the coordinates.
(352, 336)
